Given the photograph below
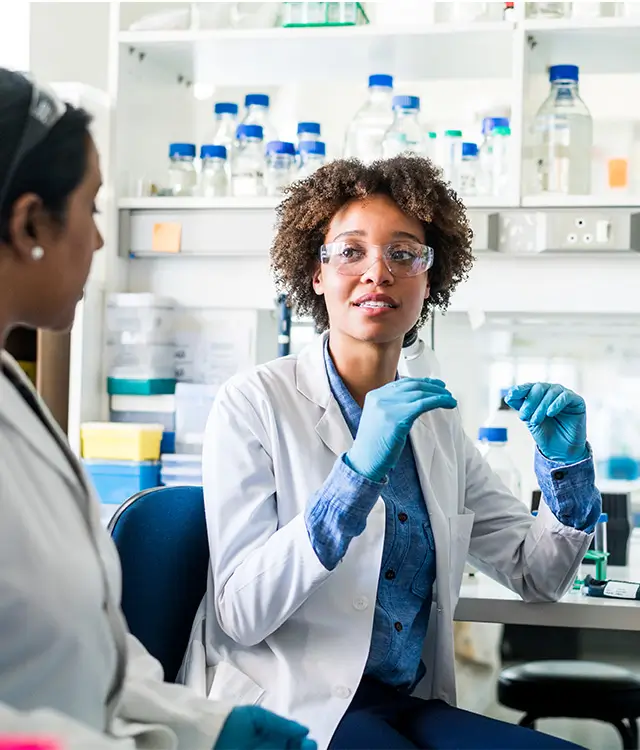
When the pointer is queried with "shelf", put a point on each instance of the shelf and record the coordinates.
(472, 203)
(196, 204)
(581, 201)
(279, 56)
(599, 45)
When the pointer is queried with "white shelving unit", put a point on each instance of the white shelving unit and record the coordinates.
(163, 85)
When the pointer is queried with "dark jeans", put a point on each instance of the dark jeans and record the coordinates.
(381, 718)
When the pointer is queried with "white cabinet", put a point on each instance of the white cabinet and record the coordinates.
(162, 86)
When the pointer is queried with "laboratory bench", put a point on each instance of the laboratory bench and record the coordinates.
(485, 600)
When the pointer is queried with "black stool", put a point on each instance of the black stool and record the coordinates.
(574, 690)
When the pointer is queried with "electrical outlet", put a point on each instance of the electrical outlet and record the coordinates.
(594, 230)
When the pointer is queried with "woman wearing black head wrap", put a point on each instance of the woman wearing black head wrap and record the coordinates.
(68, 667)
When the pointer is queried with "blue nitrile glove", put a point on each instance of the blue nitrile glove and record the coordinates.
(387, 417)
(254, 728)
(556, 418)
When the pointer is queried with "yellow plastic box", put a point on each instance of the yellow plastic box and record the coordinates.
(116, 441)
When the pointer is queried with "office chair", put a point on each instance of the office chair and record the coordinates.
(161, 536)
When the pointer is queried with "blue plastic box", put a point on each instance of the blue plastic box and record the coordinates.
(116, 481)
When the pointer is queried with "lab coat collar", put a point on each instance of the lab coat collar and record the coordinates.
(312, 381)
(31, 427)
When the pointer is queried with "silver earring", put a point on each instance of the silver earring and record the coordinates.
(37, 253)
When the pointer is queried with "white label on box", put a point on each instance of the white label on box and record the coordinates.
(621, 590)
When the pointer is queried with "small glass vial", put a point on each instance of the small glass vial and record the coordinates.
(308, 131)
(183, 177)
(452, 157)
(312, 157)
(431, 146)
(548, 10)
(469, 170)
(214, 181)
(281, 156)
(247, 167)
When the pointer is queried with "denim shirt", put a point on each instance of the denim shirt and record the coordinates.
(408, 566)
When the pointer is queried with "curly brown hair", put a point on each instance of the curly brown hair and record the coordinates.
(418, 189)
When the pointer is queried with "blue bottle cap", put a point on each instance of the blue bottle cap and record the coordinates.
(213, 152)
(493, 434)
(564, 73)
(604, 518)
(309, 127)
(182, 149)
(312, 147)
(469, 149)
(281, 147)
(406, 102)
(490, 123)
(225, 108)
(259, 100)
(383, 80)
(249, 131)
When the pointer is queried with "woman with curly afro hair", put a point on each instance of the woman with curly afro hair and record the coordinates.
(342, 499)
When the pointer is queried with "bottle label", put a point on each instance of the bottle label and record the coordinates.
(621, 590)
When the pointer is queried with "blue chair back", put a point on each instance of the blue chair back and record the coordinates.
(161, 536)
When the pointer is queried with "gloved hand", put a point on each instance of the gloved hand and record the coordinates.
(556, 418)
(388, 415)
(254, 728)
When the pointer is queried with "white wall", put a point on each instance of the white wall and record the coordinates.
(70, 42)
(14, 35)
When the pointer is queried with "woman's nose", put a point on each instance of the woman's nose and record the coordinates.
(377, 273)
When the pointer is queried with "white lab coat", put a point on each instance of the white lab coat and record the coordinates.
(68, 668)
(276, 627)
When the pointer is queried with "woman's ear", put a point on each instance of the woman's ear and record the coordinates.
(317, 280)
(427, 291)
(23, 228)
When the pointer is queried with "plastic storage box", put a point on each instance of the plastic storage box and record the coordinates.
(117, 481)
(180, 470)
(121, 442)
(144, 409)
(323, 14)
(140, 386)
(139, 318)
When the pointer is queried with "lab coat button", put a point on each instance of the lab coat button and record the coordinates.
(402, 517)
(361, 603)
(341, 691)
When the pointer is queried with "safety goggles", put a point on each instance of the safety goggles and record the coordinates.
(402, 258)
(45, 111)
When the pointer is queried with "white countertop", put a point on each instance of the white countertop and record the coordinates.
(484, 600)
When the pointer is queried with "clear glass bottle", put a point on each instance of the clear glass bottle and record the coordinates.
(494, 447)
(281, 158)
(312, 157)
(214, 179)
(548, 10)
(452, 157)
(431, 146)
(247, 167)
(183, 177)
(563, 136)
(469, 170)
(226, 125)
(366, 130)
(500, 173)
(405, 134)
(489, 124)
(308, 131)
(257, 113)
